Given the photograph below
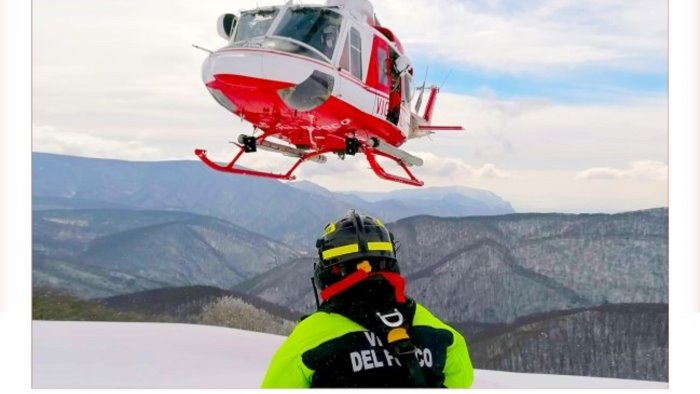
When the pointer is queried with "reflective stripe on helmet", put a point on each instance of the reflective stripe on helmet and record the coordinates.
(340, 250)
(387, 246)
(329, 229)
(354, 248)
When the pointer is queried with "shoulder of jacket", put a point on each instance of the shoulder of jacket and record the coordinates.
(423, 317)
(321, 327)
(319, 322)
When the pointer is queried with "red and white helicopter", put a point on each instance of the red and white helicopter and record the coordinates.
(321, 79)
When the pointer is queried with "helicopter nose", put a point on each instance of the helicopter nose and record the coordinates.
(249, 70)
(232, 63)
(310, 93)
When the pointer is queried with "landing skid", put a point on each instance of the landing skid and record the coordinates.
(371, 149)
(231, 168)
(372, 154)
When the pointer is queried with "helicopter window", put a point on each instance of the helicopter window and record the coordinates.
(315, 27)
(345, 56)
(408, 87)
(254, 23)
(356, 53)
(381, 67)
(351, 58)
(290, 46)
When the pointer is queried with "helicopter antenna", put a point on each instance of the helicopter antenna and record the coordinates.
(445, 80)
(204, 49)
(422, 90)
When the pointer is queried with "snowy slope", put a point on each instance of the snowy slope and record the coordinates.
(164, 355)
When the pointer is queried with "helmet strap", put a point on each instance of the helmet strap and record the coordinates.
(398, 282)
(343, 284)
(313, 284)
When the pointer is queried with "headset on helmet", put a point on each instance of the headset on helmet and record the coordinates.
(350, 241)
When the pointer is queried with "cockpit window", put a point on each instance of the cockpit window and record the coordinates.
(254, 23)
(315, 27)
(408, 87)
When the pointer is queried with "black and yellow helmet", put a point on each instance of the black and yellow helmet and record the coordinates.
(350, 240)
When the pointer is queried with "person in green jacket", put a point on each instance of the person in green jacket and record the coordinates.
(366, 332)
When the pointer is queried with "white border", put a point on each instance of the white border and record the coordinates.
(15, 275)
(684, 165)
(15, 285)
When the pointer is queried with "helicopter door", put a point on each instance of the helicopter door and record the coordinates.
(395, 98)
(378, 76)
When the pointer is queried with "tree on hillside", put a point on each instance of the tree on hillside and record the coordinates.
(235, 313)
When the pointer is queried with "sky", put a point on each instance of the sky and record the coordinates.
(564, 102)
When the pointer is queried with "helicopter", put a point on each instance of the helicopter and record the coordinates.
(318, 80)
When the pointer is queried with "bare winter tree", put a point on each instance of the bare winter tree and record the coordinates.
(235, 313)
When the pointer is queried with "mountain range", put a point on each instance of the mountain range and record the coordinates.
(98, 253)
(495, 269)
(293, 213)
(612, 340)
(531, 292)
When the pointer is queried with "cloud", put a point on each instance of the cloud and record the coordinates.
(51, 140)
(453, 168)
(334, 166)
(490, 170)
(637, 170)
(354, 173)
(543, 37)
(536, 134)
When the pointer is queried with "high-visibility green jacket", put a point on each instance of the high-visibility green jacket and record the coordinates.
(330, 350)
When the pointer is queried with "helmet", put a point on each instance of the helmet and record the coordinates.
(329, 30)
(349, 241)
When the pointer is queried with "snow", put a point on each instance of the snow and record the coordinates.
(148, 355)
(166, 355)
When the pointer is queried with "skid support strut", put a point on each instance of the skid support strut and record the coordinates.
(249, 146)
(372, 154)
